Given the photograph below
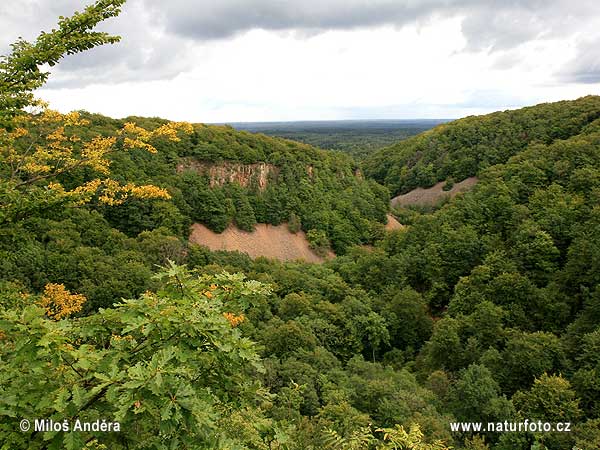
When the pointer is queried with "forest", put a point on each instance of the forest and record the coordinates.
(485, 308)
(357, 137)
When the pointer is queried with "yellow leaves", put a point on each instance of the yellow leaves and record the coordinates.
(147, 191)
(109, 192)
(132, 129)
(50, 116)
(34, 167)
(137, 137)
(44, 145)
(58, 148)
(59, 302)
(208, 293)
(138, 143)
(118, 337)
(95, 152)
(74, 119)
(116, 194)
(56, 137)
(171, 129)
(234, 320)
(18, 132)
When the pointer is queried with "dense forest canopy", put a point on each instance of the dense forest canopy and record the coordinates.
(486, 309)
(465, 147)
(323, 192)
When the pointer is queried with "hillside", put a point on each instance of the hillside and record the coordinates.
(269, 241)
(478, 309)
(434, 194)
(484, 310)
(218, 176)
(465, 147)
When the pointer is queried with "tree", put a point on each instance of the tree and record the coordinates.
(20, 72)
(409, 324)
(294, 224)
(244, 214)
(476, 397)
(174, 357)
(550, 399)
(318, 241)
(374, 331)
(527, 356)
(38, 146)
(398, 438)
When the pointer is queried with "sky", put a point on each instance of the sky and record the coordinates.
(284, 60)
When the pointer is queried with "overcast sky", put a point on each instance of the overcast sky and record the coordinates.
(270, 60)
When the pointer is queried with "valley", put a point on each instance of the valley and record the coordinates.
(375, 285)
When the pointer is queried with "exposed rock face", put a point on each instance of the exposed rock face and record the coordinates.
(232, 172)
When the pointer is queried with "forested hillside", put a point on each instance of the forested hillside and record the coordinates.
(213, 174)
(463, 148)
(484, 310)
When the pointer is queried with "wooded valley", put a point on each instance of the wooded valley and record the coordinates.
(482, 308)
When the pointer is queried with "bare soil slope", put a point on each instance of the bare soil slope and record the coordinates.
(392, 224)
(271, 241)
(432, 195)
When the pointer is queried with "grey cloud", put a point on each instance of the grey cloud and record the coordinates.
(221, 19)
(158, 34)
(487, 23)
(143, 54)
(27, 19)
(585, 67)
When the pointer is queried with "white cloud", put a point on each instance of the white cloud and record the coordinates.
(280, 60)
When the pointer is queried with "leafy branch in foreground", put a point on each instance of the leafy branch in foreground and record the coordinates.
(20, 72)
(168, 366)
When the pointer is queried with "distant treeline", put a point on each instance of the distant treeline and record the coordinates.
(357, 137)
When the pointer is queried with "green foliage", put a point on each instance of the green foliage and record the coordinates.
(20, 72)
(358, 138)
(214, 176)
(550, 399)
(169, 357)
(398, 438)
(244, 214)
(449, 184)
(463, 148)
(493, 295)
(317, 240)
(475, 397)
(294, 224)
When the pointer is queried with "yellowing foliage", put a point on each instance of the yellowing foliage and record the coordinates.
(55, 148)
(233, 319)
(59, 302)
